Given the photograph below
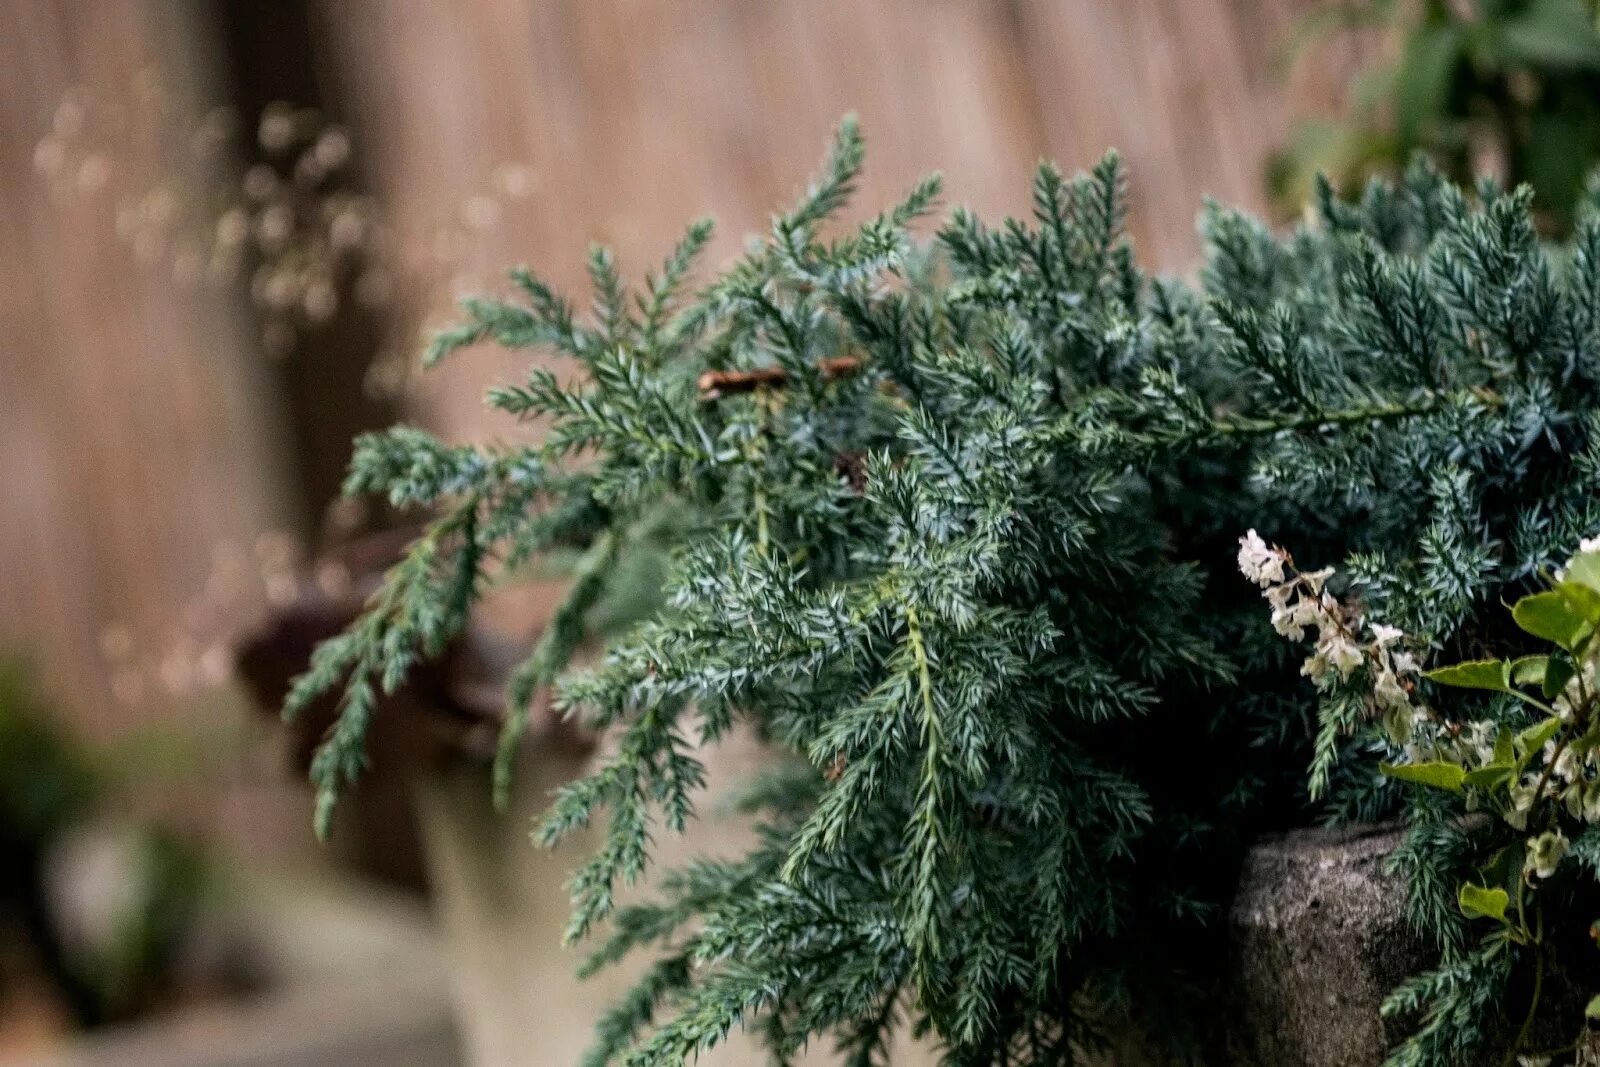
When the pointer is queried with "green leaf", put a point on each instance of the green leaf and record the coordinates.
(1478, 902)
(1548, 615)
(1423, 79)
(1534, 737)
(1474, 674)
(1584, 569)
(1554, 34)
(1490, 775)
(1505, 866)
(1592, 1011)
(1437, 773)
(1557, 673)
(1503, 750)
(1529, 670)
(1582, 598)
(1557, 154)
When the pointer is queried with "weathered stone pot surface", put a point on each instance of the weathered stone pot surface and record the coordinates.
(1318, 940)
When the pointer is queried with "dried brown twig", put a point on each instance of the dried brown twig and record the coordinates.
(719, 383)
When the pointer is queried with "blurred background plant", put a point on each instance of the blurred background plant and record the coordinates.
(97, 906)
(1509, 87)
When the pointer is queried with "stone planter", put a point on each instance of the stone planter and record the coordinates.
(1317, 942)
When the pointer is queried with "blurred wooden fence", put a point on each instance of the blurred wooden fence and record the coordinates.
(137, 428)
(136, 432)
(637, 116)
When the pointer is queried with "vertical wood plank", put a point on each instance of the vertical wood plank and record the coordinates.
(135, 428)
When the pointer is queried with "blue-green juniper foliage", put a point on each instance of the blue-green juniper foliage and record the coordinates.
(964, 553)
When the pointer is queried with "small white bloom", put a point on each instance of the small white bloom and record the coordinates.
(1545, 853)
(1480, 738)
(1291, 621)
(1422, 751)
(1389, 693)
(1404, 663)
(1316, 579)
(1590, 544)
(1396, 703)
(1521, 804)
(1283, 622)
(1566, 767)
(1386, 635)
(1577, 686)
(1591, 803)
(1343, 653)
(1258, 561)
(1330, 617)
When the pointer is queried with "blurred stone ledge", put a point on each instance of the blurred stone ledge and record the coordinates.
(353, 977)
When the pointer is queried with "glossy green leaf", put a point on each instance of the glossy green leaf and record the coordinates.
(1505, 866)
(1504, 751)
(1474, 674)
(1558, 672)
(1490, 775)
(1548, 615)
(1438, 774)
(1529, 670)
(1479, 902)
(1534, 737)
(1584, 569)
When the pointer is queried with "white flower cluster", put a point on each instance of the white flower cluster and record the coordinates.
(1301, 603)
(1350, 649)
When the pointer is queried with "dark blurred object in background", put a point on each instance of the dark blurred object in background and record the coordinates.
(447, 714)
(97, 908)
(44, 788)
(420, 727)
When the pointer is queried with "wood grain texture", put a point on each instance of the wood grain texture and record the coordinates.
(636, 117)
(135, 426)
